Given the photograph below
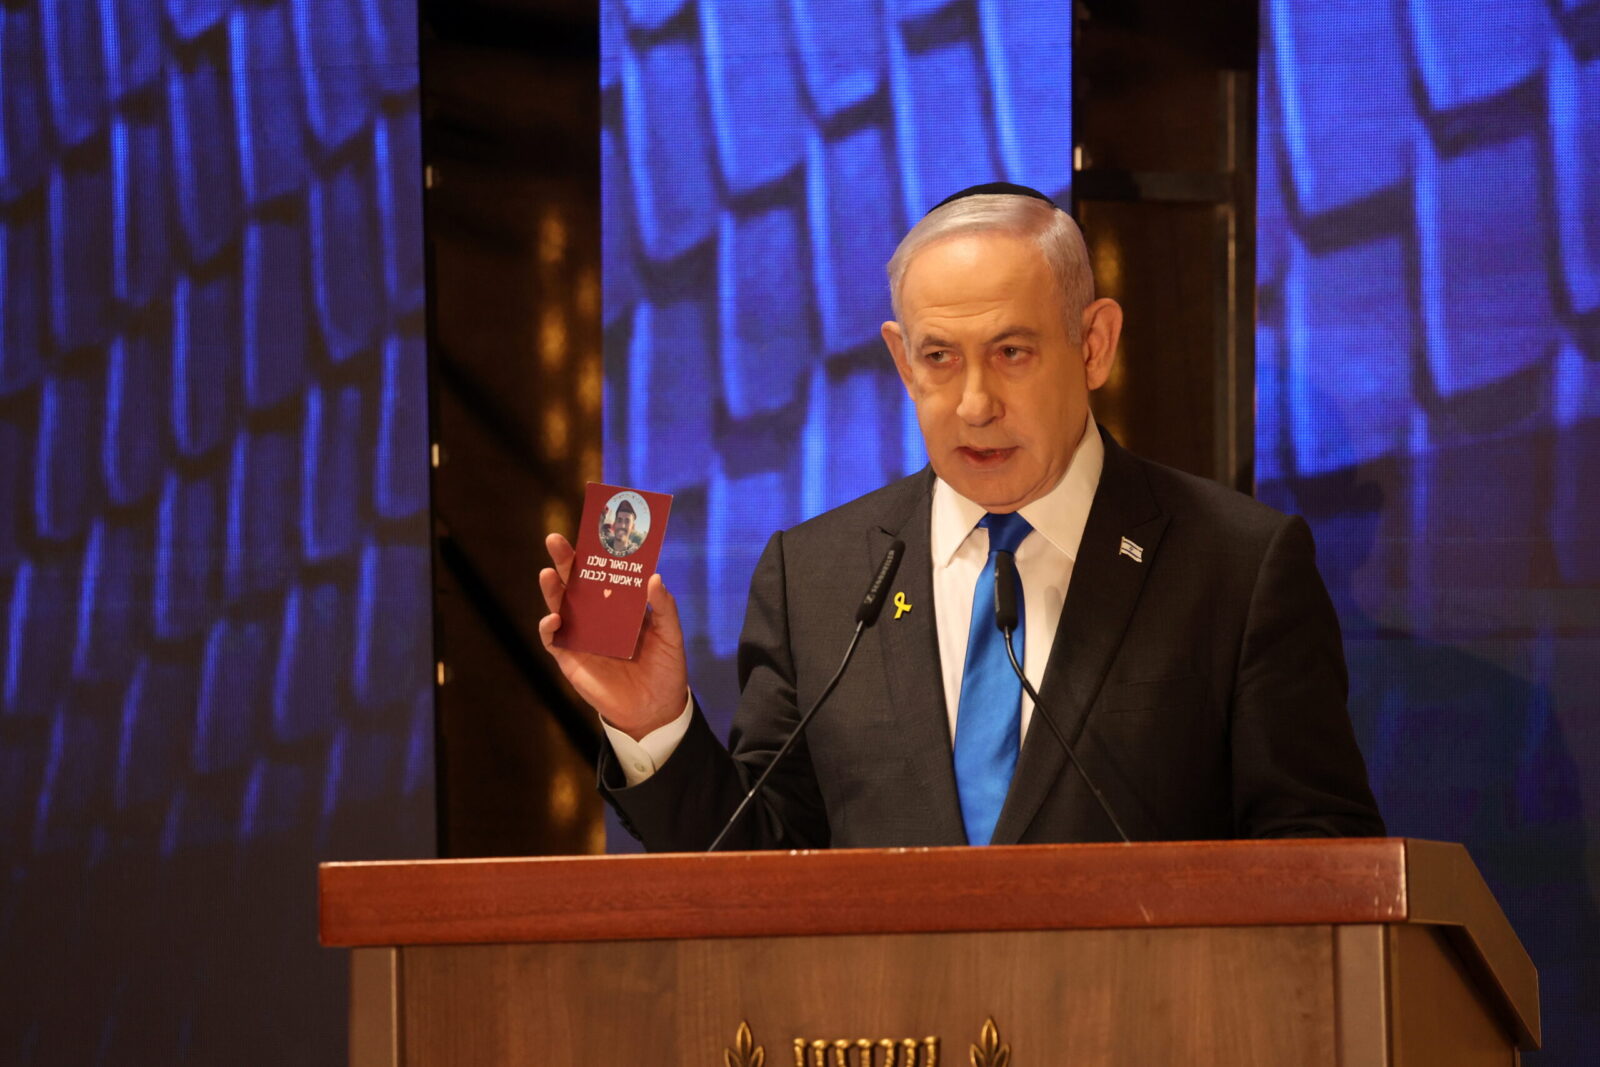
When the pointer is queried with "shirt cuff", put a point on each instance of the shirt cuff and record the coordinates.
(642, 758)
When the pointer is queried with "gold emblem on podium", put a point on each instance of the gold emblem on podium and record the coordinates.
(990, 1051)
(885, 1052)
(745, 1052)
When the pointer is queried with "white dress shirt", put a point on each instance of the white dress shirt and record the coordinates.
(960, 550)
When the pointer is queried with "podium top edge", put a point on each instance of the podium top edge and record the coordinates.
(845, 891)
(983, 854)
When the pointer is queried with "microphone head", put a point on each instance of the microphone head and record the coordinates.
(1005, 591)
(872, 604)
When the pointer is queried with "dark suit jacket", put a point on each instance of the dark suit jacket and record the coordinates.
(1203, 688)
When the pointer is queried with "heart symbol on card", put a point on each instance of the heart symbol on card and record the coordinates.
(607, 592)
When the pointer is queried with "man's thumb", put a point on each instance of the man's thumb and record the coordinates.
(664, 609)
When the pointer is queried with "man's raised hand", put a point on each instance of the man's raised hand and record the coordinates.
(638, 695)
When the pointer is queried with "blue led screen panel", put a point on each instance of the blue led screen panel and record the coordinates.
(214, 580)
(1428, 394)
(760, 162)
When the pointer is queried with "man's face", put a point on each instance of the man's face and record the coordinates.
(1001, 389)
(622, 525)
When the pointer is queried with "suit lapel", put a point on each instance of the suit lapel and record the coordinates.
(1100, 601)
(911, 661)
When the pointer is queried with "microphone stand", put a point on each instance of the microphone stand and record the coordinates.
(1005, 618)
(866, 615)
(792, 738)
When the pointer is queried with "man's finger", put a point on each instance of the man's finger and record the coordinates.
(664, 611)
(547, 634)
(551, 586)
(561, 554)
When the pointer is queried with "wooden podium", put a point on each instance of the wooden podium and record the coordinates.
(1284, 953)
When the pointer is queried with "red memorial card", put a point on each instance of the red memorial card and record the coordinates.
(619, 541)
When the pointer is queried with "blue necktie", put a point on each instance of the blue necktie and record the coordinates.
(989, 718)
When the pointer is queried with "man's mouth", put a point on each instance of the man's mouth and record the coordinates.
(985, 457)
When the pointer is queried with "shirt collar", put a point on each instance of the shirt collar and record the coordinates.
(1060, 515)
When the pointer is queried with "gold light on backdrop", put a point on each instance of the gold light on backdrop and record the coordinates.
(1105, 257)
(557, 429)
(552, 238)
(552, 337)
(565, 400)
(563, 795)
(587, 296)
(557, 515)
(591, 384)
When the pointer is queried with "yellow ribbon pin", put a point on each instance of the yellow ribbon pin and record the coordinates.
(901, 605)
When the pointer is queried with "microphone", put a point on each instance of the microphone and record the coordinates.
(1005, 617)
(866, 615)
(872, 603)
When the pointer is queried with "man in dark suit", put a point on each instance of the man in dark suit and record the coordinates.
(1177, 632)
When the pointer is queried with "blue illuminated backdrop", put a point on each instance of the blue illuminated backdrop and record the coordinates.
(213, 514)
(1429, 330)
(761, 160)
(1428, 357)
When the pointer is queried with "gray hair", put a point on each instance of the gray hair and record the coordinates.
(1057, 235)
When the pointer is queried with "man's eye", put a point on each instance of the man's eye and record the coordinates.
(939, 358)
(1013, 353)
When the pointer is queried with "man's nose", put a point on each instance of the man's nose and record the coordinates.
(979, 405)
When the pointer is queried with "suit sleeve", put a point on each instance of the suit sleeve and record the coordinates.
(685, 803)
(1296, 769)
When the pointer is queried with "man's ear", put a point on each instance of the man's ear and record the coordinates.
(895, 339)
(1102, 326)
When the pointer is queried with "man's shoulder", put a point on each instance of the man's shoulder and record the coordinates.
(887, 508)
(1203, 504)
